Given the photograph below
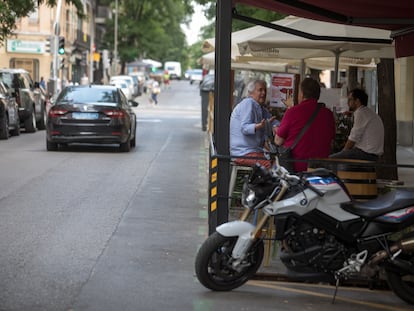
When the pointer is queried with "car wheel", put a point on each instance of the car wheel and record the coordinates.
(126, 146)
(4, 126)
(16, 130)
(41, 125)
(50, 146)
(133, 142)
(30, 123)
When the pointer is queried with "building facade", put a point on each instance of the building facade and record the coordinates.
(30, 47)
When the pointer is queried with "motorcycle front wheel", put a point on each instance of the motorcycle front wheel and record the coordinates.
(213, 263)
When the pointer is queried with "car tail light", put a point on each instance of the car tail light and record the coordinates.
(57, 112)
(114, 113)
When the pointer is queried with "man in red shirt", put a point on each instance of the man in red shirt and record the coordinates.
(317, 140)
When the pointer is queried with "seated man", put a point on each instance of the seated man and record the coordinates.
(247, 126)
(366, 139)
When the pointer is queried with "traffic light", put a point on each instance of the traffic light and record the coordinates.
(61, 46)
(48, 44)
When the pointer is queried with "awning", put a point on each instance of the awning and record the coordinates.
(396, 15)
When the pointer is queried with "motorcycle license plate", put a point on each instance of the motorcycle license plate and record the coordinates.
(85, 115)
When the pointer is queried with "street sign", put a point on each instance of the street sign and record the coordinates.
(26, 47)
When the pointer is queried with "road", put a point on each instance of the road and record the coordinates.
(90, 228)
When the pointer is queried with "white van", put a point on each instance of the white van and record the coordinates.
(174, 69)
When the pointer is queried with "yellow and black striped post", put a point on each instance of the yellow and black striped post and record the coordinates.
(218, 192)
(212, 197)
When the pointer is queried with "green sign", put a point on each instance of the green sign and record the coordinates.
(27, 47)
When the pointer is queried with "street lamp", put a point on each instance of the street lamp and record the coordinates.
(55, 42)
(116, 39)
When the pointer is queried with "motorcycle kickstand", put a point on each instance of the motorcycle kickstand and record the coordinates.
(337, 277)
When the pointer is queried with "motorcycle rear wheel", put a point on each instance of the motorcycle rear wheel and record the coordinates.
(213, 263)
(402, 283)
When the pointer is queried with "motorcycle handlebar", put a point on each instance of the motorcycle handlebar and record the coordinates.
(281, 172)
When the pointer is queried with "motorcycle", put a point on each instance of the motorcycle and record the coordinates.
(323, 234)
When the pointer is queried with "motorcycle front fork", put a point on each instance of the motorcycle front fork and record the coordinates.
(259, 225)
(245, 241)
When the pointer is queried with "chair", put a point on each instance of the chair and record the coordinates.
(235, 171)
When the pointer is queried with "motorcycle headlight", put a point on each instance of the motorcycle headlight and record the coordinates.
(249, 198)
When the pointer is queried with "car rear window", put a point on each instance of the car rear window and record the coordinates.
(89, 95)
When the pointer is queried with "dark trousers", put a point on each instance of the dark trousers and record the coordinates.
(355, 153)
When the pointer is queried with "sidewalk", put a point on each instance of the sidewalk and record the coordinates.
(405, 156)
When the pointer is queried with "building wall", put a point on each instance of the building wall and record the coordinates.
(28, 48)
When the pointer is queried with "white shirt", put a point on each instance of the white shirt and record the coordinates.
(368, 131)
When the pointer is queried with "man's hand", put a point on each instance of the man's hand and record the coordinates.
(260, 125)
(279, 140)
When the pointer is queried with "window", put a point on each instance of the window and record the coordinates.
(34, 15)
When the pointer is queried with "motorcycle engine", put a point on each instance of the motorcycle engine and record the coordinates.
(307, 249)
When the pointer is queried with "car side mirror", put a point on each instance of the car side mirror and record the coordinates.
(36, 85)
(133, 103)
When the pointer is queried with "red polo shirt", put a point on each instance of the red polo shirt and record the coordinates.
(316, 142)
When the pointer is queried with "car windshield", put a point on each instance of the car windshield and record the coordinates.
(88, 95)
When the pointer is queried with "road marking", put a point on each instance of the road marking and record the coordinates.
(272, 285)
(149, 120)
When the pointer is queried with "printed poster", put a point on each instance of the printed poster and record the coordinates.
(282, 88)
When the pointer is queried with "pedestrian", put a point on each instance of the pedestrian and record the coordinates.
(366, 139)
(318, 137)
(166, 79)
(247, 126)
(155, 90)
(42, 83)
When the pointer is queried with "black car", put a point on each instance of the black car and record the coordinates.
(98, 114)
(31, 109)
(9, 114)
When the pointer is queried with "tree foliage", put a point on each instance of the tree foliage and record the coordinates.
(150, 29)
(208, 31)
(11, 10)
(253, 12)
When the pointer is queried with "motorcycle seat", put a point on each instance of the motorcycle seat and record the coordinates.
(389, 202)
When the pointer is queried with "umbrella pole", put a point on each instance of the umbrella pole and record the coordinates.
(302, 69)
(337, 53)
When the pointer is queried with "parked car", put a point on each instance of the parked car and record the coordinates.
(196, 75)
(28, 97)
(122, 84)
(136, 85)
(9, 114)
(93, 114)
(128, 80)
(142, 78)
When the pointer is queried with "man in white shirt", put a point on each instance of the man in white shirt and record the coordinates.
(366, 139)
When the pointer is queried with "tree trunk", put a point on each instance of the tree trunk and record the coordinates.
(386, 110)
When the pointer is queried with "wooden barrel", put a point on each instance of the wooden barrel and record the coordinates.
(359, 176)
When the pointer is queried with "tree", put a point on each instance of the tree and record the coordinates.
(253, 12)
(11, 10)
(150, 29)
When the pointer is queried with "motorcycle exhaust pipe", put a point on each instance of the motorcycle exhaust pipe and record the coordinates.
(406, 245)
